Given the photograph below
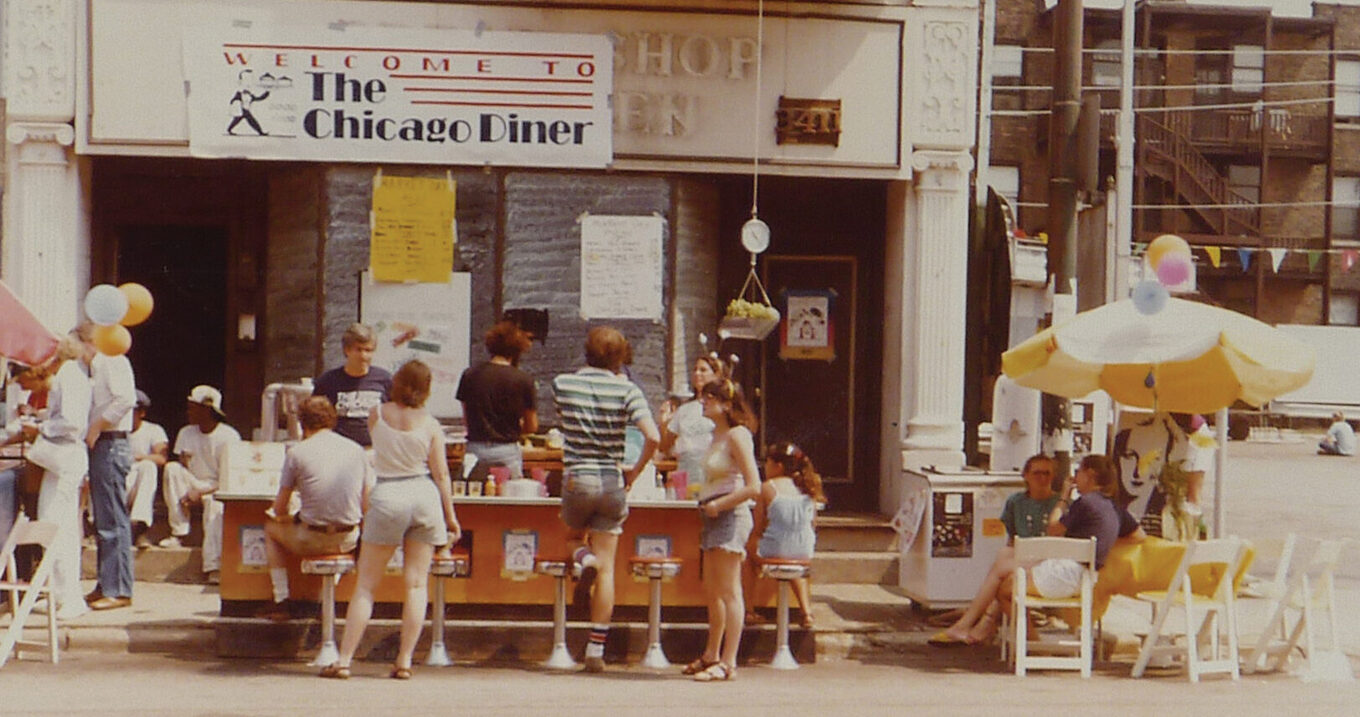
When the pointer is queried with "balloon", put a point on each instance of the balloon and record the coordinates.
(112, 340)
(139, 303)
(105, 304)
(1174, 269)
(1149, 297)
(1164, 244)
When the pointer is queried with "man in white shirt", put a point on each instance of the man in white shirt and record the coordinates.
(1340, 438)
(331, 475)
(201, 447)
(114, 395)
(150, 451)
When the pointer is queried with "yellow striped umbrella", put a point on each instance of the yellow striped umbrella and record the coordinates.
(1187, 358)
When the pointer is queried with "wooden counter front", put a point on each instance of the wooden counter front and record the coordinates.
(485, 521)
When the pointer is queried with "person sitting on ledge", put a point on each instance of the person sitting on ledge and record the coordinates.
(1340, 438)
(332, 477)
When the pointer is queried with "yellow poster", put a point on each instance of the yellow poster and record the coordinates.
(412, 224)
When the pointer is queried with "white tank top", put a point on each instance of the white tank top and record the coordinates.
(402, 453)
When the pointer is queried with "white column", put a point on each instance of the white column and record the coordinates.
(46, 237)
(937, 268)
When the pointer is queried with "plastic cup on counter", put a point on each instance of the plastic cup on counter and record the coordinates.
(679, 481)
(500, 474)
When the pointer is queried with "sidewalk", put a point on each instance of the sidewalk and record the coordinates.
(867, 623)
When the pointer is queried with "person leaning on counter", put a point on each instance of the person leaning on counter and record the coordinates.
(499, 400)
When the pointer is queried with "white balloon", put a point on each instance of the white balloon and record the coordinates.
(105, 304)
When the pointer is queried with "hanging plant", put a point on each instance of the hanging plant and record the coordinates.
(749, 319)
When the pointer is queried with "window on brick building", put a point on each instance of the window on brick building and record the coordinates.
(1007, 62)
(1248, 68)
(1347, 89)
(1346, 209)
(1105, 64)
(1245, 179)
(1344, 309)
(1006, 181)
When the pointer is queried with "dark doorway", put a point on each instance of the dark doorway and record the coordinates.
(826, 236)
(185, 269)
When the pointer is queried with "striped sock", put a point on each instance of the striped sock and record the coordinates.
(598, 635)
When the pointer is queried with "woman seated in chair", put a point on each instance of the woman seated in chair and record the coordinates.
(1092, 514)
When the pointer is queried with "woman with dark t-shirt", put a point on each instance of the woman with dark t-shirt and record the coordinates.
(499, 401)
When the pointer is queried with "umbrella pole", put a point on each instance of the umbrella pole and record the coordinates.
(1220, 471)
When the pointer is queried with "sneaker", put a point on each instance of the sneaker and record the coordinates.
(171, 541)
(214, 577)
(581, 561)
(142, 542)
(93, 595)
(71, 612)
(594, 664)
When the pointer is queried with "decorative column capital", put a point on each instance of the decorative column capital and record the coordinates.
(941, 89)
(40, 132)
(941, 171)
(39, 59)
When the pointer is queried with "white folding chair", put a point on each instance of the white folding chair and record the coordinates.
(1308, 590)
(1203, 606)
(23, 595)
(1030, 551)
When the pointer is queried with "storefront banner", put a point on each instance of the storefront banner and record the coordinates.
(621, 265)
(372, 94)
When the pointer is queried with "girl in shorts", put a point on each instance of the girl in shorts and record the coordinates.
(731, 482)
(790, 495)
(411, 505)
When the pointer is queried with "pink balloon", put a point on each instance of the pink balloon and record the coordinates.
(1173, 269)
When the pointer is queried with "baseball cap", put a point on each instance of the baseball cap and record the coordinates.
(208, 396)
(143, 400)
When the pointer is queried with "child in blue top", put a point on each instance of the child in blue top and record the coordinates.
(790, 496)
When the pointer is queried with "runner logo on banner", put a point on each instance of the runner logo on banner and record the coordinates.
(807, 331)
(260, 90)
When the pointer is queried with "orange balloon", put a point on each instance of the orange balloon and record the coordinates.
(139, 303)
(113, 340)
(1161, 246)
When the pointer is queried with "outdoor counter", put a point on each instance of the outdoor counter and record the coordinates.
(489, 526)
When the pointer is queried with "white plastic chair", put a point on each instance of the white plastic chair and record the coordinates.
(1030, 551)
(24, 595)
(1307, 591)
(1203, 609)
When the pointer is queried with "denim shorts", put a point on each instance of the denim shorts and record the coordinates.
(729, 531)
(594, 499)
(499, 454)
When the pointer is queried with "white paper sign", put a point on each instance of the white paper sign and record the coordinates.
(265, 90)
(621, 262)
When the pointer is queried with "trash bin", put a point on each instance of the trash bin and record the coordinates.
(958, 534)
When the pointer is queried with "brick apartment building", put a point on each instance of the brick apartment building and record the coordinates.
(1247, 132)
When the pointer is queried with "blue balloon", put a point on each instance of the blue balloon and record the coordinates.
(1150, 297)
(106, 305)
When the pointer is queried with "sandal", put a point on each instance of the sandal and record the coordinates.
(716, 672)
(400, 673)
(335, 671)
(699, 665)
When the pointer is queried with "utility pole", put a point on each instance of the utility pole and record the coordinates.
(1062, 201)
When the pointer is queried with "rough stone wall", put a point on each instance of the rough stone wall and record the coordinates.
(1292, 180)
(479, 219)
(694, 308)
(542, 268)
(291, 299)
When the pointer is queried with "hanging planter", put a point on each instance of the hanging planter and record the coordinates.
(745, 319)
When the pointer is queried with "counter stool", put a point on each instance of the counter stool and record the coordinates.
(656, 570)
(559, 569)
(330, 568)
(784, 570)
(453, 566)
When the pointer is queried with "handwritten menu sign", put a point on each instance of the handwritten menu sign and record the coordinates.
(412, 229)
(621, 267)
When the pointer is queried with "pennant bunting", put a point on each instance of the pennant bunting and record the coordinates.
(1276, 258)
(1215, 255)
(1313, 256)
(1244, 256)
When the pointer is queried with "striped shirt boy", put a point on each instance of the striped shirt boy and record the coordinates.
(596, 406)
